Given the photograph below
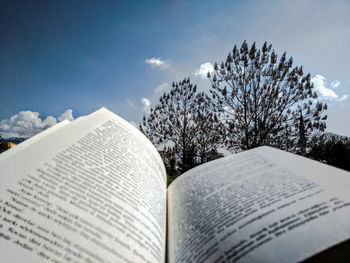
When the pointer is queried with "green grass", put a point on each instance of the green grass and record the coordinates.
(170, 179)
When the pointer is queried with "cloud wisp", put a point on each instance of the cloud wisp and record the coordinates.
(146, 105)
(131, 104)
(158, 63)
(67, 115)
(26, 124)
(160, 89)
(204, 69)
(324, 92)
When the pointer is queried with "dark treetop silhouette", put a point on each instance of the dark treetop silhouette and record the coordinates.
(183, 122)
(264, 100)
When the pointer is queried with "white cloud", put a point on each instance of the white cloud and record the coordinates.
(335, 84)
(160, 89)
(344, 97)
(158, 63)
(146, 105)
(320, 84)
(131, 104)
(26, 124)
(204, 69)
(67, 115)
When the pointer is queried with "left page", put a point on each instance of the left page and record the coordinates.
(26, 143)
(93, 190)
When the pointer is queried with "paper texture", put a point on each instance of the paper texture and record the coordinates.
(91, 191)
(263, 205)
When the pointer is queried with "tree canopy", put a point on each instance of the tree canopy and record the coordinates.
(332, 149)
(256, 98)
(182, 126)
(262, 99)
(208, 136)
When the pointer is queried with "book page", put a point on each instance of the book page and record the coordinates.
(24, 144)
(262, 205)
(91, 191)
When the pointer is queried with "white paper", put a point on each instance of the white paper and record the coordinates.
(263, 205)
(91, 191)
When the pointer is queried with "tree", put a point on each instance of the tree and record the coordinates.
(209, 130)
(172, 122)
(302, 141)
(332, 149)
(262, 100)
(169, 161)
(183, 125)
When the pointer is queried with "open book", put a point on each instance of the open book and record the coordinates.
(94, 190)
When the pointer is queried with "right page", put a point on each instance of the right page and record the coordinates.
(262, 205)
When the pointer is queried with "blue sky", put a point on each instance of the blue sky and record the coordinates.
(82, 55)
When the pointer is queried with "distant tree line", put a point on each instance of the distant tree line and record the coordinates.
(332, 149)
(256, 98)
